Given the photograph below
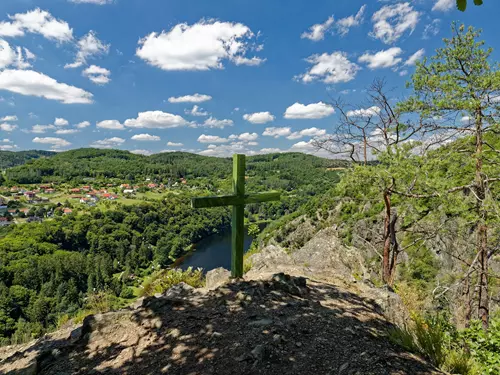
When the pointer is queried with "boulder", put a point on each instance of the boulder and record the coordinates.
(217, 277)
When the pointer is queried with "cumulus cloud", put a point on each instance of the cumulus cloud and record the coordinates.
(98, 75)
(174, 144)
(259, 117)
(196, 111)
(110, 125)
(310, 111)
(330, 68)
(55, 142)
(142, 152)
(303, 146)
(18, 57)
(269, 150)
(7, 127)
(364, 112)
(156, 120)
(244, 137)
(39, 129)
(108, 142)
(211, 139)
(67, 131)
(29, 82)
(412, 60)
(145, 137)
(277, 132)
(61, 122)
(9, 118)
(7, 147)
(212, 122)
(444, 5)
(37, 21)
(382, 59)
(392, 21)
(83, 124)
(201, 46)
(195, 98)
(317, 32)
(88, 46)
(344, 24)
(311, 132)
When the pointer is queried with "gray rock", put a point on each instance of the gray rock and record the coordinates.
(217, 277)
(258, 352)
(138, 303)
(261, 322)
(180, 290)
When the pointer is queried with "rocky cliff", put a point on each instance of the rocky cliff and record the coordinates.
(317, 318)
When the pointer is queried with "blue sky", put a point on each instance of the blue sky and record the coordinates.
(212, 77)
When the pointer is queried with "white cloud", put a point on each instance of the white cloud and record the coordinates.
(444, 5)
(402, 73)
(303, 146)
(29, 82)
(201, 46)
(259, 117)
(412, 60)
(145, 137)
(227, 150)
(88, 46)
(270, 150)
(142, 152)
(67, 131)
(364, 112)
(37, 21)
(311, 132)
(7, 147)
(110, 125)
(108, 142)
(39, 129)
(431, 29)
(344, 25)
(173, 144)
(211, 139)
(19, 57)
(83, 124)
(7, 127)
(55, 142)
(245, 137)
(277, 132)
(330, 68)
(392, 21)
(310, 111)
(9, 118)
(196, 111)
(97, 2)
(98, 75)
(212, 122)
(156, 120)
(382, 59)
(317, 32)
(195, 98)
(61, 122)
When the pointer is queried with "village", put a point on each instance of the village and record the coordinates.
(31, 203)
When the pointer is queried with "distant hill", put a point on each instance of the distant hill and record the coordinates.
(104, 164)
(9, 159)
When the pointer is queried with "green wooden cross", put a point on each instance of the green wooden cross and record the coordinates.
(238, 200)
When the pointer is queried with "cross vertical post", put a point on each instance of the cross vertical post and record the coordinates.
(238, 226)
(238, 201)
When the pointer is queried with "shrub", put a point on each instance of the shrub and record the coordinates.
(163, 280)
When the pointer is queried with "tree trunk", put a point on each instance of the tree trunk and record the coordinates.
(394, 249)
(468, 301)
(482, 230)
(386, 271)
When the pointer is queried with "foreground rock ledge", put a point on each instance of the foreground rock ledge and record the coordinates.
(281, 325)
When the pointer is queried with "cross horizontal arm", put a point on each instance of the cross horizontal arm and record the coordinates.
(233, 200)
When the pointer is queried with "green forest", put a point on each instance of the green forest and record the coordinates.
(54, 270)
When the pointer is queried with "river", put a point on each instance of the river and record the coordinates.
(213, 252)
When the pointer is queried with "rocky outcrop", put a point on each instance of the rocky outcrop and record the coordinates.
(279, 325)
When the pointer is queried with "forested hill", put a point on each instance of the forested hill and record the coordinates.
(10, 159)
(104, 164)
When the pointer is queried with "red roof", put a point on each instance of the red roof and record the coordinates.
(67, 210)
